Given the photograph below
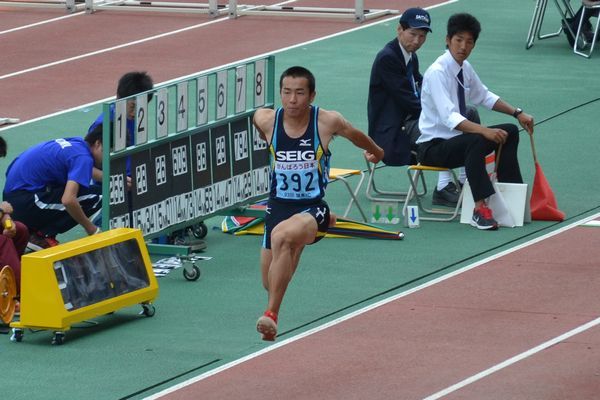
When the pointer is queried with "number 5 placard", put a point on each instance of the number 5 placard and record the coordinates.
(202, 85)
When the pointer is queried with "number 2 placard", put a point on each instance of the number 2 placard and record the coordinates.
(141, 120)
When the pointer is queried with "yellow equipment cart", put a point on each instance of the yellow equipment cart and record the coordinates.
(83, 279)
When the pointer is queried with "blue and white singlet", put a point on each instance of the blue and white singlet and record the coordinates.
(299, 166)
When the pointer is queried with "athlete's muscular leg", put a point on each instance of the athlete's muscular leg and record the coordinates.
(266, 256)
(287, 242)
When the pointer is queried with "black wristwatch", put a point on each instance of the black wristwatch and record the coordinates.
(517, 112)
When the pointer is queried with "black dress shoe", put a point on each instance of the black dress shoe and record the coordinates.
(448, 196)
(570, 37)
(585, 36)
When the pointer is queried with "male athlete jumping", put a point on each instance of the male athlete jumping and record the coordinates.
(298, 134)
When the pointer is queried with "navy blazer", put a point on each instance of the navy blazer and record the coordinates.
(392, 102)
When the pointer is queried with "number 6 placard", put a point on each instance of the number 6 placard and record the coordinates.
(221, 94)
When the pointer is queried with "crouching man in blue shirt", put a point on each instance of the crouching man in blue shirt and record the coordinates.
(49, 186)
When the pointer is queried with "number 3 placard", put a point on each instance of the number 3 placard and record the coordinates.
(162, 112)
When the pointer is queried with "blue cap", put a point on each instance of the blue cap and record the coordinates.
(416, 18)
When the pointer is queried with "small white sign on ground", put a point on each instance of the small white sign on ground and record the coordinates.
(411, 219)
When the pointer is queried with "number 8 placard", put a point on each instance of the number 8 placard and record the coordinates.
(259, 83)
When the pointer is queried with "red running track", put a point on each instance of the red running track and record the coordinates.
(35, 79)
(410, 348)
(436, 337)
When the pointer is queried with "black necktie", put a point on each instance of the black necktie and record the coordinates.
(462, 106)
(411, 77)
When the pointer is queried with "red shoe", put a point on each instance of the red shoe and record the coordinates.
(38, 241)
(267, 325)
(483, 219)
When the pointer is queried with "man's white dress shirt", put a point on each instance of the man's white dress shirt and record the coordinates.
(439, 97)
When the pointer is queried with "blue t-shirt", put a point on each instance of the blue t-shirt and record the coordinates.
(51, 163)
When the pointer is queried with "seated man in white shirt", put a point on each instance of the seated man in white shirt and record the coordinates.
(448, 139)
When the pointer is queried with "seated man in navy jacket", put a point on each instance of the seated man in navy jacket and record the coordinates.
(394, 102)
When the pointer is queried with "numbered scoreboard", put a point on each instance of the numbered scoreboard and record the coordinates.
(193, 150)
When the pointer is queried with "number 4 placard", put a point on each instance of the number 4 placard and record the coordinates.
(182, 106)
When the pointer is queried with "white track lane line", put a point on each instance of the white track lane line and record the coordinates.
(513, 360)
(113, 48)
(108, 49)
(592, 223)
(223, 66)
(372, 307)
(47, 21)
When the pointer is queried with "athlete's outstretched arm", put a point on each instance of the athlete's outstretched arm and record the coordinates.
(337, 125)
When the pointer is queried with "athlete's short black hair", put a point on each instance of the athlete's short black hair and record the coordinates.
(133, 83)
(299, 72)
(463, 22)
(3, 147)
(94, 135)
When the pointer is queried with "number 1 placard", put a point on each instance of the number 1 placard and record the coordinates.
(120, 125)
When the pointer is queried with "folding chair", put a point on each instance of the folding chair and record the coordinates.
(565, 10)
(416, 172)
(342, 174)
(375, 194)
(589, 6)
